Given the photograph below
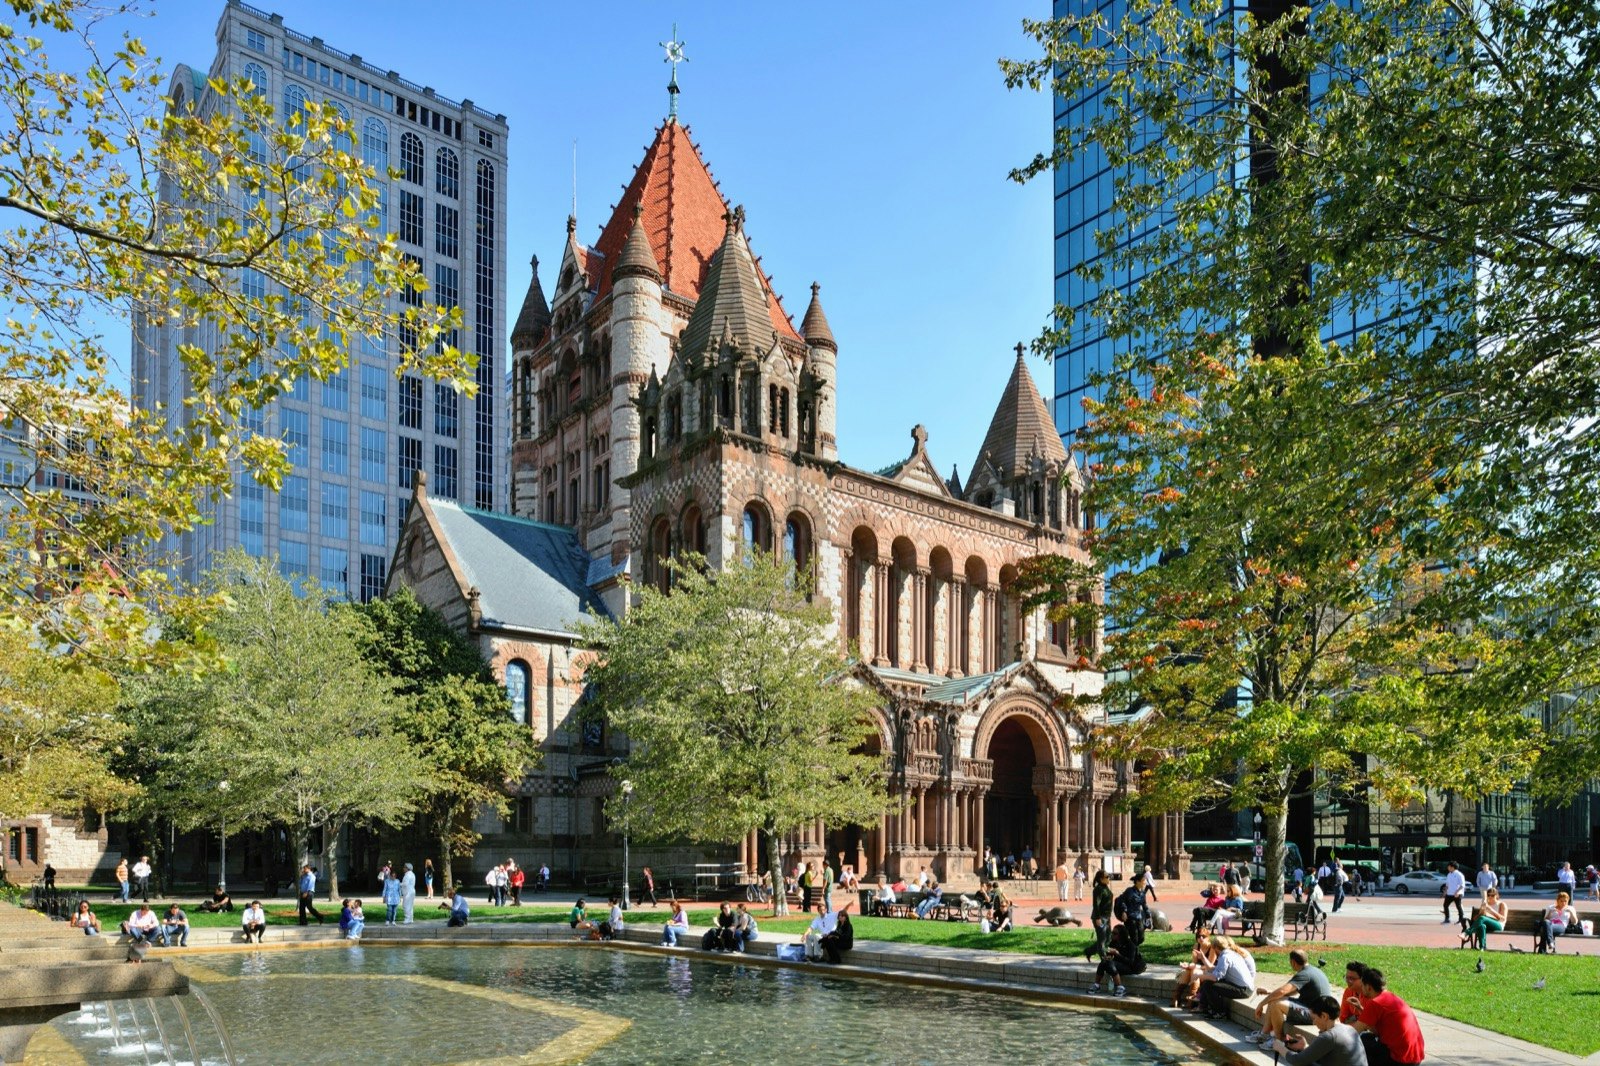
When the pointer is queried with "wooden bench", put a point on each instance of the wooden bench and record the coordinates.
(1526, 923)
(1301, 920)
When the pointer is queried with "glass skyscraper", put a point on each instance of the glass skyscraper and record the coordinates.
(356, 440)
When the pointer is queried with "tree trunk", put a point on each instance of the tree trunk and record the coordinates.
(780, 898)
(1275, 819)
(330, 856)
(446, 875)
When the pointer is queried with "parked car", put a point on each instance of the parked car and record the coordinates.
(1426, 882)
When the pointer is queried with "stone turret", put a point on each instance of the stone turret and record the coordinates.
(822, 354)
(640, 351)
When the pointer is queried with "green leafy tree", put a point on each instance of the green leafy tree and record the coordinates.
(1334, 160)
(304, 729)
(738, 709)
(124, 207)
(456, 717)
(59, 732)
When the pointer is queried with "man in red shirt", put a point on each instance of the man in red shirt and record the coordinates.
(1350, 996)
(1387, 1026)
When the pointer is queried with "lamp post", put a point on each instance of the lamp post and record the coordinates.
(1259, 857)
(627, 798)
(222, 869)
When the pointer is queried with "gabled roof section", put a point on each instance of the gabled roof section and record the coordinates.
(529, 575)
(683, 219)
(916, 469)
(1020, 425)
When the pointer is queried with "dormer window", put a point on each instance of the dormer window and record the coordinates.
(566, 278)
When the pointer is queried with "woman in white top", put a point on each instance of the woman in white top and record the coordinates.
(1233, 976)
(84, 919)
(1557, 919)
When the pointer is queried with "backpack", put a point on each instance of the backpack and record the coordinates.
(710, 940)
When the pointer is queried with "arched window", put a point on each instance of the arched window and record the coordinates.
(411, 158)
(518, 691)
(757, 528)
(797, 543)
(446, 173)
(375, 146)
(658, 551)
(694, 531)
(256, 75)
(342, 136)
(294, 107)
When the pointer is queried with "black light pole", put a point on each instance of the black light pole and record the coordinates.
(627, 798)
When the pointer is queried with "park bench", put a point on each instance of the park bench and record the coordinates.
(1301, 920)
(1526, 923)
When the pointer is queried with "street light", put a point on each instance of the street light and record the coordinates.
(222, 871)
(627, 797)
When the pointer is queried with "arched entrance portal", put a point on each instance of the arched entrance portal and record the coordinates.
(1011, 810)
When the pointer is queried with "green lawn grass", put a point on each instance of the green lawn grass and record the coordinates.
(1440, 981)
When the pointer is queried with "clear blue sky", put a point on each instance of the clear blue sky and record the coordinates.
(869, 143)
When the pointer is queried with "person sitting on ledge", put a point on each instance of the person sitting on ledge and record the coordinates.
(1388, 1027)
(460, 909)
(841, 940)
(84, 919)
(677, 926)
(1201, 960)
(142, 924)
(253, 921)
(1000, 915)
(358, 921)
(1335, 1044)
(1123, 959)
(744, 928)
(218, 902)
(175, 926)
(578, 918)
(1233, 977)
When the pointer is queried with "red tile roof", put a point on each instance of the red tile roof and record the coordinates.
(683, 217)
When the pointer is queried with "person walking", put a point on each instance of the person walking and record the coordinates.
(1455, 888)
(308, 895)
(1061, 881)
(141, 877)
(123, 882)
(1078, 879)
(408, 891)
(649, 887)
(1486, 880)
(1568, 879)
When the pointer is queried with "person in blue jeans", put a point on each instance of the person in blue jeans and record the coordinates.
(358, 921)
(934, 897)
(175, 926)
(391, 899)
(460, 909)
(677, 926)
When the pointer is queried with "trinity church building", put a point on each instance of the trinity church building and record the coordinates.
(664, 401)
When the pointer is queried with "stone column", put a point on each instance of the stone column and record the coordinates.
(921, 654)
(880, 613)
(880, 839)
(955, 625)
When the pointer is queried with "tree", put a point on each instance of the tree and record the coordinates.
(58, 733)
(1390, 541)
(1433, 154)
(1262, 652)
(738, 709)
(128, 207)
(305, 731)
(456, 717)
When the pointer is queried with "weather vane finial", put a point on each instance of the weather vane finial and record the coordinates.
(675, 56)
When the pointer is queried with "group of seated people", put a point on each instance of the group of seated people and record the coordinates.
(142, 926)
(608, 928)
(732, 930)
(1220, 903)
(990, 906)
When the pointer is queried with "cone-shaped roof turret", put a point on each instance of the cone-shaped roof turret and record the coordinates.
(733, 300)
(534, 318)
(1021, 423)
(814, 328)
(637, 260)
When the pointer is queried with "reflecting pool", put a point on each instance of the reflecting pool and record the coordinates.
(452, 1004)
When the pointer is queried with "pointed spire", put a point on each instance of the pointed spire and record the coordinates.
(1021, 423)
(954, 483)
(637, 260)
(814, 328)
(534, 318)
(733, 299)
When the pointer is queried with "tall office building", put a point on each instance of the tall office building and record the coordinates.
(356, 439)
